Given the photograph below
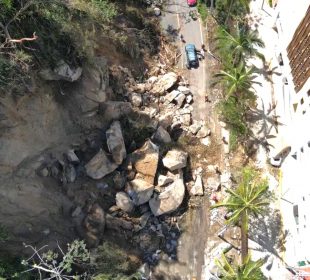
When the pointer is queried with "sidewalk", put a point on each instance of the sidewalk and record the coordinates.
(269, 106)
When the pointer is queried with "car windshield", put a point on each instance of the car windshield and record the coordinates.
(190, 49)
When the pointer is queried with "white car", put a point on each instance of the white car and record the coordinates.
(277, 160)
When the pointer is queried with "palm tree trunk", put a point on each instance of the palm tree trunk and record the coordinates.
(229, 11)
(244, 236)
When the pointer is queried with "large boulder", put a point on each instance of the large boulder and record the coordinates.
(124, 202)
(140, 191)
(169, 200)
(99, 166)
(115, 142)
(161, 135)
(62, 71)
(114, 110)
(145, 161)
(171, 96)
(95, 81)
(175, 159)
(165, 82)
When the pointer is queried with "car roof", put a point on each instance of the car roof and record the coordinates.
(190, 47)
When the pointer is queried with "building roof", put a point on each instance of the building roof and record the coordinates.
(298, 52)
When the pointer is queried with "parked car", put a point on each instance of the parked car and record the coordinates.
(191, 56)
(278, 159)
(191, 3)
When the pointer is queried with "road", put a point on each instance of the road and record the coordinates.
(176, 18)
(195, 224)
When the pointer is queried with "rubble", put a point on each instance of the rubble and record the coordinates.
(175, 159)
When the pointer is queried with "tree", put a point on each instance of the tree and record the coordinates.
(240, 45)
(237, 81)
(249, 270)
(227, 10)
(248, 199)
(243, 3)
(59, 266)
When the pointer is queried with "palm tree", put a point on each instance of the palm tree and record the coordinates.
(238, 81)
(231, 3)
(240, 45)
(249, 198)
(249, 270)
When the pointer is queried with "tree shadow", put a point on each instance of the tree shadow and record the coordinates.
(265, 122)
(267, 232)
(267, 72)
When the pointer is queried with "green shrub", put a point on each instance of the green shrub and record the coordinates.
(11, 268)
(112, 262)
(202, 9)
(233, 139)
(233, 113)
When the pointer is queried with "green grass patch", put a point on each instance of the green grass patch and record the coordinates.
(202, 10)
(233, 140)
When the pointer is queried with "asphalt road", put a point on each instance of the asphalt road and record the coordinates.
(195, 224)
(176, 21)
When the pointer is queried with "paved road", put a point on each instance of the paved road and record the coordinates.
(195, 224)
(176, 19)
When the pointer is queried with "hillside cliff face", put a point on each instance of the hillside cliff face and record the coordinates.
(35, 131)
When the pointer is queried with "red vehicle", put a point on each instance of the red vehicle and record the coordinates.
(191, 2)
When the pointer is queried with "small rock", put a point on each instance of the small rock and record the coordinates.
(194, 128)
(144, 219)
(115, 142)
(119, 180)
(70, 173)
(186, 119)
(77, 211)
(222, 124)
(72, 157)
(124, 202)
(164, 180)
(161, 135)
(113, 209)
(136, 99)
(152, 80)
(153, 112)
(197, 188)
(44, 172)
(171, 96)
(47, 231)
(213, 183)
(175, 159)
(184, 90)
(140, 191)
(203, 132)
(180, 100)
(206, 141)
(140, 88)
(189, 99)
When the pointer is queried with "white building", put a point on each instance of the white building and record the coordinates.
(292, 96)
